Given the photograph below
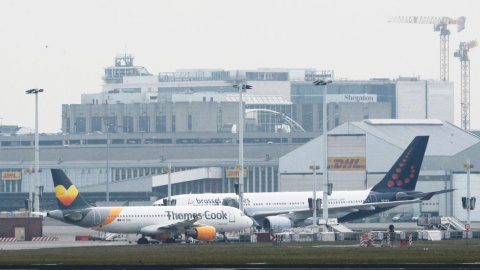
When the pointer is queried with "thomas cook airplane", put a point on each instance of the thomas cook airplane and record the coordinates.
(161, 223)
(279, 210)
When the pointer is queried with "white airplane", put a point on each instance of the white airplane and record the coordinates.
(161, 223)
(279, 210)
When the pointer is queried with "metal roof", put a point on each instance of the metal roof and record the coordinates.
(445, 139)
(254, 99)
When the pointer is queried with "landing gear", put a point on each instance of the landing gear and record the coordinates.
(224, 239)
(142, 240)
(169, 241)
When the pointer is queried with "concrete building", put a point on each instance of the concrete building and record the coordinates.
(197, 100)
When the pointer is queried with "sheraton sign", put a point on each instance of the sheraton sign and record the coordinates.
(352, 98)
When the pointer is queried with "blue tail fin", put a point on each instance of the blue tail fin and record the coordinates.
(404, 173)
(67, 194)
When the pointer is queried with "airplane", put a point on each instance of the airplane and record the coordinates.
(163, 224)
(282, 210)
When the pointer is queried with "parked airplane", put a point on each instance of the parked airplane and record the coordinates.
(165, 223)
(278, 210)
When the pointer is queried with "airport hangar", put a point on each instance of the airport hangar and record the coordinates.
(374, 146)
(377, 144)
(139, 170)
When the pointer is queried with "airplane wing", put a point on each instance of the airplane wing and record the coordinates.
(370, 206)
(174, 225)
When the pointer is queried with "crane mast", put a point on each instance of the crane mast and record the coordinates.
(462, 54)
(440, 24)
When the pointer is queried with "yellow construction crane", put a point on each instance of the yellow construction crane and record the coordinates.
(439, 24)
(462, 53)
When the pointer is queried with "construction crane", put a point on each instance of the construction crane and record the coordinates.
(439, 24)
(462, 53)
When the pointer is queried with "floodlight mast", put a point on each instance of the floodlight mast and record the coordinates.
(36, 204)
(241, 87)
(325, 153)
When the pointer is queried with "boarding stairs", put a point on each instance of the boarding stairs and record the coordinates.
(340, 228)
(442, 223)
(333, 225)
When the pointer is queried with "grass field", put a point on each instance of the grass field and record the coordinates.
(450, 251)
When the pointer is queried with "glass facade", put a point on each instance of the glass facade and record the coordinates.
(144, 124)
(267, 76)
(193, 89)
(96, 123)
(80, 125)
(161, 123)
(127, 124)
(308, 102)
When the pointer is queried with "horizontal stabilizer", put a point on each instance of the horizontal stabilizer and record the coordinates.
(428, 195)
(421, 195)
(40, 214)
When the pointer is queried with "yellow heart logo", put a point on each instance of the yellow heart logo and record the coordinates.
(66, 196)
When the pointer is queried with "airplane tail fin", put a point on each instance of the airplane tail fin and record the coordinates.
(67, 194)
(403, 175)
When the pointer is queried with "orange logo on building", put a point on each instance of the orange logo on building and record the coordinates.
(236, 173)
(347, 163)
(66, 197)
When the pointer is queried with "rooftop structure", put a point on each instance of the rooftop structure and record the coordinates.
(123, 67)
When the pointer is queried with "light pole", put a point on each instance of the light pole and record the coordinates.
(169, 190)
(314, 201)
(240, 146)
(108, 168)
(241, 111)
(36, 205)
(107, 122)
(325, 152)
(468, 191)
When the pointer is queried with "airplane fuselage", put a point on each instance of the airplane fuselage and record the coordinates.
(136, 219)
(256, 204)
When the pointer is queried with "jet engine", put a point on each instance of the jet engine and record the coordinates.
(277, 223)
(204, 233)
(232, 202)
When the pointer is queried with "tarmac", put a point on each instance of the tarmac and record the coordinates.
(66, 238)
(66, 235)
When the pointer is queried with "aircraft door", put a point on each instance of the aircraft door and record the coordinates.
(231, 216)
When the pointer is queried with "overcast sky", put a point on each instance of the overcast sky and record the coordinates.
(63, 46)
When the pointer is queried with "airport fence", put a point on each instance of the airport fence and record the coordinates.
(380, 237)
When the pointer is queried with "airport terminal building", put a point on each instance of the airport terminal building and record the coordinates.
(133, 100)
(141, 124)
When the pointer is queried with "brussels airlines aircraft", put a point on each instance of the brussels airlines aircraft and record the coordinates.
(162, 223)
(279, 210)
